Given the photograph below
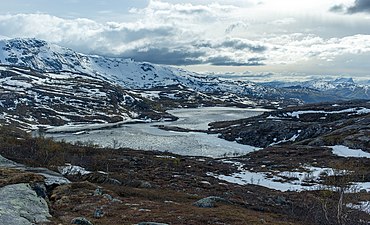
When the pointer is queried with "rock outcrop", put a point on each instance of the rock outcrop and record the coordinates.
(20, 205)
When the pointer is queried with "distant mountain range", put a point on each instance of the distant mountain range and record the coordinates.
(43, 84)
(342, 88)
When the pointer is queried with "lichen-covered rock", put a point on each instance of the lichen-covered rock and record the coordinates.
(209, 202)
(81, 221)
(151, 223)
(20, 205)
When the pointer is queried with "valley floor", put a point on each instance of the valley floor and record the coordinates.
(126, 186)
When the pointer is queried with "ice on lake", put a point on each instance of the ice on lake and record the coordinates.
(145, 136)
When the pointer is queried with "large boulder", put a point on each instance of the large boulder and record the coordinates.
(20, 205)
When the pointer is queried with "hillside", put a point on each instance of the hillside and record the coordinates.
(327, 124)
(33, 100)
(306, 163)
(70, 88)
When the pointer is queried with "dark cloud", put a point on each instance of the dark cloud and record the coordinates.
(246, 76)
(241, 45)
(337, 9)
(166, 56)
(184, 57)
(360, 6)
(235, 44)
(227, 61)
(125, 34)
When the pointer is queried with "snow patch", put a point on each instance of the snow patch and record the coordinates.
(354, 111)
(362, 206)
(344, 151)
(69, 169)
(307, 179)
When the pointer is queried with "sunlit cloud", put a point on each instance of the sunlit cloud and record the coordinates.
(215, 33)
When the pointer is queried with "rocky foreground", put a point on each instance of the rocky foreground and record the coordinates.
(106, 186)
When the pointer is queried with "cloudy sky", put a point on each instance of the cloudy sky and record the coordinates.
(247, 37)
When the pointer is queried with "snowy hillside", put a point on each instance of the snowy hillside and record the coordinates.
(41, 80)
(32, 99)
(45, 57)
(344, 88)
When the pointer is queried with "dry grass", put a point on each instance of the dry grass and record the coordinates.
(14, 176)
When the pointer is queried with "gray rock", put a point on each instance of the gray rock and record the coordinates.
(151, 223)
(98, 191)
(4, 162)
(51, 177)
(145, 184)
(81, 221)
(40, 190)
(280, 200)
(114, 181)
(116, 200)
(108, 197)
(209, 202)
(98, 213)
(20, 205)
(363, 191)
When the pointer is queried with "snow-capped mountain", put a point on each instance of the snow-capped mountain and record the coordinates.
(45, 57)
(31, 99)
(341, 88)
(45, 84)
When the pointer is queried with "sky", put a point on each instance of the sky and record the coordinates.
(249, 38)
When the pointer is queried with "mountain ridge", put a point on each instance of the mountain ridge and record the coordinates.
(45, 57)
(32, 69)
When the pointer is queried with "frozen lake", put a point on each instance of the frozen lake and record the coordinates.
(145, 136)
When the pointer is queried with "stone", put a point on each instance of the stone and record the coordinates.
(40, 190)
(280, 200)
(145, 184)
(51, 178)
(20, 205)
(116, 200)
(363, 191)
(209, 202)
(81, 221)
(4, 162)
(108, 197)
(151, 223)
(98, 213)
(98, 191)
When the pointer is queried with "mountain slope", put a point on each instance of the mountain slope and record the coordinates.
(43, 83)
(31, 99)
(336, 89)
(345, 123)
(44, 57)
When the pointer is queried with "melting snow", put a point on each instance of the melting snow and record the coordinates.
(344, 151)
(72, 170)
(292, 139)
(362, 206)
(351, 110)
(309, 179)
(274, 182)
